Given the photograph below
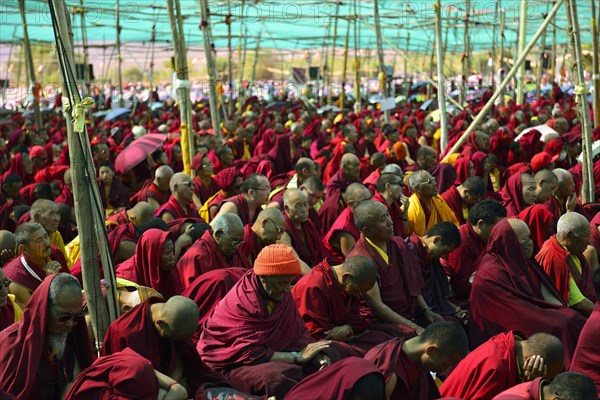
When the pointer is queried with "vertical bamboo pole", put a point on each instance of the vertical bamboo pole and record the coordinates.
(554, 53)
(540, 68)
(595, 65)
(119, 59)
(356, 63)
(242, 69)
(210, 67)
(240, 61)
(587, 189)
(230, 60)
(466, 55)
(331, 71)
(431, 59)
(86, 70)
(255, 62)
(441, 78)
(321, 86)
(344, 67)
(30, 68)
(521, 45)
(382, 78)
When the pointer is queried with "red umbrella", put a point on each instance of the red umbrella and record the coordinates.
(138, 151)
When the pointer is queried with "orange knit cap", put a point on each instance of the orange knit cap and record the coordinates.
(276, 259)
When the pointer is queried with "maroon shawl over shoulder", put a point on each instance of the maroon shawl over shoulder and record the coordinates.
(454, 201)
(174, 208)
(15, 270)
(587, 354)
(307, 242)
(343, 223)
(242, 206)
(512, 195)
(540, 222)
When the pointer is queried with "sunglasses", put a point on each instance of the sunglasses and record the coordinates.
(6, 283)
(63, 318)
(279, 230)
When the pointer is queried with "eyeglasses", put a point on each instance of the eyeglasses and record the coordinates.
(263, 189)
(186, 184)
(6, 283)
(63, 318)
(234, 243)
(400, 183)
(279, 230)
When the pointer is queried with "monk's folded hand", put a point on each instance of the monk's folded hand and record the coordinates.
(571, 202)
(52, 267)
(322, 361)
(6, 256)
(432, 316)
(312, 350)
(340, 333)
(534, 367)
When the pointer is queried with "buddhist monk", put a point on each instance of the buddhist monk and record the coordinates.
(45, 212)
(247, 205)
(340, 239)
(156, 192)
(267, 229)
(444, 173)
(123, 238)
(44, 352)
(10, 311)
(7, 246)
(587, 353)
(545, 185)
(464, 196)
(390, 187)
(541, 224)
(502, 362)
(562, 259)
(219, 248)
(530, 301)
(427, 207)
(518, 193)
(328, 299)
(230, 183)
(161, 333)
(462, 263)
(566, 386)
(256, 336)
(305, 168)
(395, 301)
(348, 173)
(180, 203)
(406, 364)
(34, 261)
(564, 198)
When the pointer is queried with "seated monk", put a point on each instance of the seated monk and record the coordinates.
(562, 259)
(268, 229)
(45, 212)
(230, 183)
(566, 386)
(587, 354)
(7, 246)
(161, 333)
(328, 299)
(180, 203)
(390, 192)
(340, 239)
(300, 233)
(444, 173)
(426, 207)
(442, 239)
(256, 336)
(462, 263)
(123, 238)
(502, 362)
(305, 168)
(208, 289)
(530, 301)
(564, 198)
(395, 301)
(10, 311)
(349, 172)
(518, 193)
(541, 224)
(34, 261)
(205, 184)
(113, 193)
(464, 196)
(153, 264)
(125, 375)
(217, 249)
(44, 352)
(406, 364)
(247, 205)
(545, 185)
(156, 192)
(351, 378)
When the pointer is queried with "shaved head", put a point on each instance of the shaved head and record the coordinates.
(549, 347)
(164, 171)
(271, 213)
(356, 192)
(140, 212)
(7, 241)
(362, 269)
(182, 316)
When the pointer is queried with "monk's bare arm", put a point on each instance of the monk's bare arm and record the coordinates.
(167, 216)
(585, 307)
(286, 240)
(170, 389)
(226, 208)
(197, 202)
(591, 256)
(274, 204)
(385, 313)
(22, 294)
(346, 243)
(152, 201)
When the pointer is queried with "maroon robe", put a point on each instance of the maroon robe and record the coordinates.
(118, 195)
(512, 195)
(343, 223)
(396, 214)
(587, 353)
(205, 192)
(15, 269)
(524, 391)
(24, 368)
(124, 232)
(323, 305)
(330, 210)
(136, 330)
(306, 241)
(204, 256)
(208, 289)
(506, 277)
(414, 382)
(7, 314)
(338, 183)
(541, 224)
(454, 201)
(119, 218)
(252, 245)
(594, 233)
(144, 267)
(122, 375)
(173, 207)
(150, 190)
(400, 282)
(485, 372)
(242, 208)
(462, 263)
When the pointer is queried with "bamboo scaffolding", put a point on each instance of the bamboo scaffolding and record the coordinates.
(441, 79)
(33, 84)
(382, 78)
(520, 89)
(210, 68)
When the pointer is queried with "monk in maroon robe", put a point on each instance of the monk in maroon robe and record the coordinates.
(180, 203)
(38, 354)
(215, 249)
(348, 173)
(464, 196)
(587, 353)
(256, 336)
(390, 189)
(330, 210)
(562, 386)
(540, 222)
(153, 264)
(247, 205)
(406, 364)
(156, 192)
(8, 306)
(502, 362)
(530, 301)
(161, 333)
(518, 193)
(268, 229)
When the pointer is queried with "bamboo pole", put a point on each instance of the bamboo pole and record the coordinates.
(466, 55)
(356, 63)
(488, 106)
(331, 71)
(119, 59)
(441, 79)
(84, 42)
(587, 189)
(595, 65)
(240, 61)
(540, 68)
(30, 68)
(323, 70)
(255, 62)
(431, 59)
(83, 180)
(344, 68)
(382, 78)
(554, 53)
(244, 54)
(211, 70)
(521, 45)
(230, 59)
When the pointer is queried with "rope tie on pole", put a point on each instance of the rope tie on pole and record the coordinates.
(78, 113)
(580, 91)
